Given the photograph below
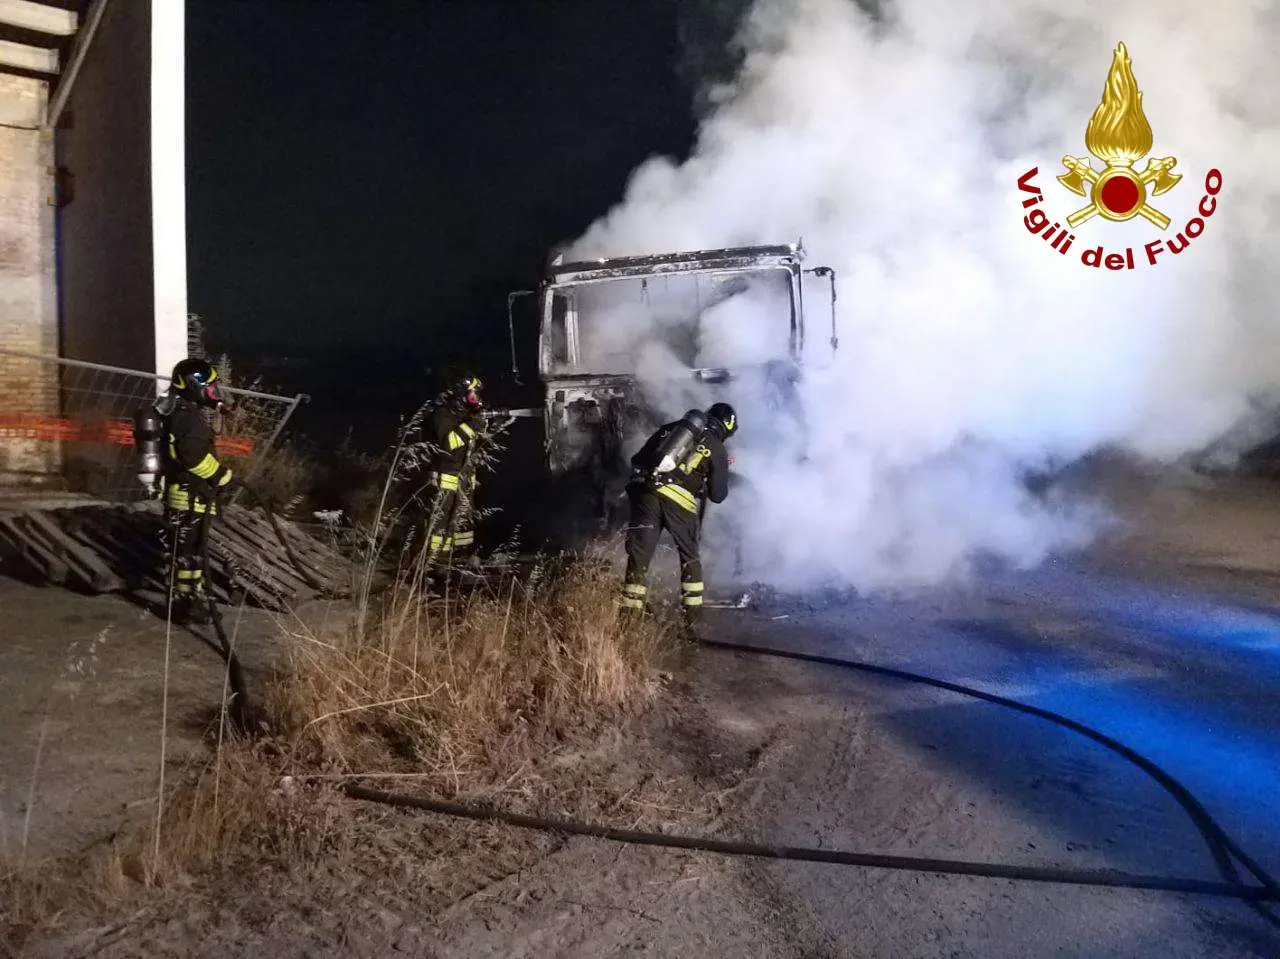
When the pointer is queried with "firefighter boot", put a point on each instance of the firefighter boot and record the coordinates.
(691, 625)
(190, 609)
(629, 619)
(200, 615)
(631, 605)
(179, 609)
(691, 609)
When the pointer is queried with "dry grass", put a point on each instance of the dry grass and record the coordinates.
(231, 804)
(457, 689)
(453, 687)
(287, 476)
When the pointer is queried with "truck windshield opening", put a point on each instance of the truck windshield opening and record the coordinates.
(695, 319)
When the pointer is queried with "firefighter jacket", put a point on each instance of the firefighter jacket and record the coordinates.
(191, 462)
(454, 438)
(704, 472)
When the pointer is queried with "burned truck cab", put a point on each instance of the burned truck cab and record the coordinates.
(627, 343)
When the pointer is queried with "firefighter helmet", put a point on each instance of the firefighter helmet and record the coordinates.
(722, 420)
(197, 380)
(464, 391)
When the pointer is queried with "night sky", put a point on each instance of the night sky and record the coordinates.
(367, 180)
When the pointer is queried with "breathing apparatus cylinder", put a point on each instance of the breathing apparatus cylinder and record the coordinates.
(148, 431)
(680, 442)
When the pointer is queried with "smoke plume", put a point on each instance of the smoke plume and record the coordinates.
(971, 352)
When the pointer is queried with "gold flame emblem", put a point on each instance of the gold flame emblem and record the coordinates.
(1119, 135)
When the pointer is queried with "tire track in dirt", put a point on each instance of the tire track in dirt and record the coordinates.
(640, 899)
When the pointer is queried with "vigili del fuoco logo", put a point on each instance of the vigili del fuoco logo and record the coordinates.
(1119, 136)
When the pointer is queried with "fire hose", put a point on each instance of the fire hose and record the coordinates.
(239, 700)
(1224, 850)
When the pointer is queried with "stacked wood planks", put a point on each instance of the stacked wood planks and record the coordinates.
(104, 548)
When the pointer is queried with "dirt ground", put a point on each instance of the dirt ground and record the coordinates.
(81, 699)
(1167, 640)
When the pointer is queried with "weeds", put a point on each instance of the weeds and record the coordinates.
(455, 687)
(231, 803)
(287, 477)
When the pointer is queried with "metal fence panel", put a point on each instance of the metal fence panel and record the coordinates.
(91, 428)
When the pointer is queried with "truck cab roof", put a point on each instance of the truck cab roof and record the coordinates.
(729, 258)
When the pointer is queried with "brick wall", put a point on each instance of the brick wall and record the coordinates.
(28, 306)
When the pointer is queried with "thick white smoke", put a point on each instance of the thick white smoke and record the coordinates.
(970, 350)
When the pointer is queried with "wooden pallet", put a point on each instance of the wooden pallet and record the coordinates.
(102, 548)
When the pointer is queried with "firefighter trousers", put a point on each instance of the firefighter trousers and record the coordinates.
(449, 528)
(185, 538)
(651, 513)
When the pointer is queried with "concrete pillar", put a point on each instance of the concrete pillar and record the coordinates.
(169, 180)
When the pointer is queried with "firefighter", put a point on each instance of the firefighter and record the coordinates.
(673, 499)
(453, 429)
(194, 478)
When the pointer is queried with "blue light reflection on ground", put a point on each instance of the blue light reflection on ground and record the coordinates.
(1215, 726)
(1234, 772)
(1192, 685)
(1190, 682)
(1212, 625)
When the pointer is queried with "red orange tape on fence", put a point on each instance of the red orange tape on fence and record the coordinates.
(25, 426)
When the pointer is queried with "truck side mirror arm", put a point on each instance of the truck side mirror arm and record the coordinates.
(511, 331)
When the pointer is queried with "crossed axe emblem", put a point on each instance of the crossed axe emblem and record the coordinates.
(1157, 173)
